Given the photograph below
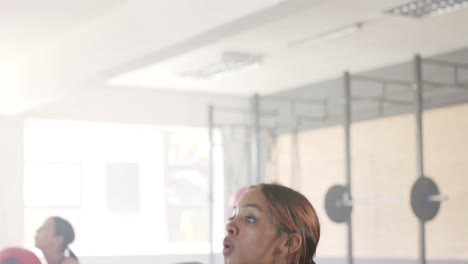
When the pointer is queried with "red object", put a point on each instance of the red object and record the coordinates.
(22, 255)
(236, 196)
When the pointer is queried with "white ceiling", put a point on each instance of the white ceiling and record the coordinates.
(383, 40)
(57, 48)
(25, 24)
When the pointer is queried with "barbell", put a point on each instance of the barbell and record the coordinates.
(425, 201)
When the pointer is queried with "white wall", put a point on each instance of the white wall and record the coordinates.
(11, 192)
(137, 106)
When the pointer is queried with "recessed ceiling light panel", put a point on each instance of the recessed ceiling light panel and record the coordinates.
(229, 63)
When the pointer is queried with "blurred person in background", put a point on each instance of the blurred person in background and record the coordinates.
(53, 239)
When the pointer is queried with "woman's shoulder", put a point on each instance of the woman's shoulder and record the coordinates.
(70, 261)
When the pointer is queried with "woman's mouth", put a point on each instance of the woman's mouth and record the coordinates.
(228, 247)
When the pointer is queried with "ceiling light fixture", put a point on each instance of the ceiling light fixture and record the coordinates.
(230, 63)
(424, 8)
(326, 36)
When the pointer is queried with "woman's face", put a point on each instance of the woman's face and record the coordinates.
(45, 236)
(251, 236)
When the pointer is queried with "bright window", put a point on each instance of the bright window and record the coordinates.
(127, 189)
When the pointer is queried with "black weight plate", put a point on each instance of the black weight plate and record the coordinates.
(336, 210)
(423, 209)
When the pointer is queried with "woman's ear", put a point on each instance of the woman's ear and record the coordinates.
(58, 240)
(291, 243)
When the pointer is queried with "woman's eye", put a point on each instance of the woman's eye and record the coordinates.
(250, 219)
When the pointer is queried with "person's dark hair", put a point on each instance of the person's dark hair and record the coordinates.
(64, 229)
(294, 214)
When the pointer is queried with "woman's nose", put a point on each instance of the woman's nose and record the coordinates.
(232, 229)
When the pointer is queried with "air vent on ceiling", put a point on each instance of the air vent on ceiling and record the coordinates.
(424, 8)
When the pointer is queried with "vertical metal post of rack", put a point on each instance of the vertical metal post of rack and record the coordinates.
(347, 126)
(256, 157)
(211, 178)
(419, 147)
